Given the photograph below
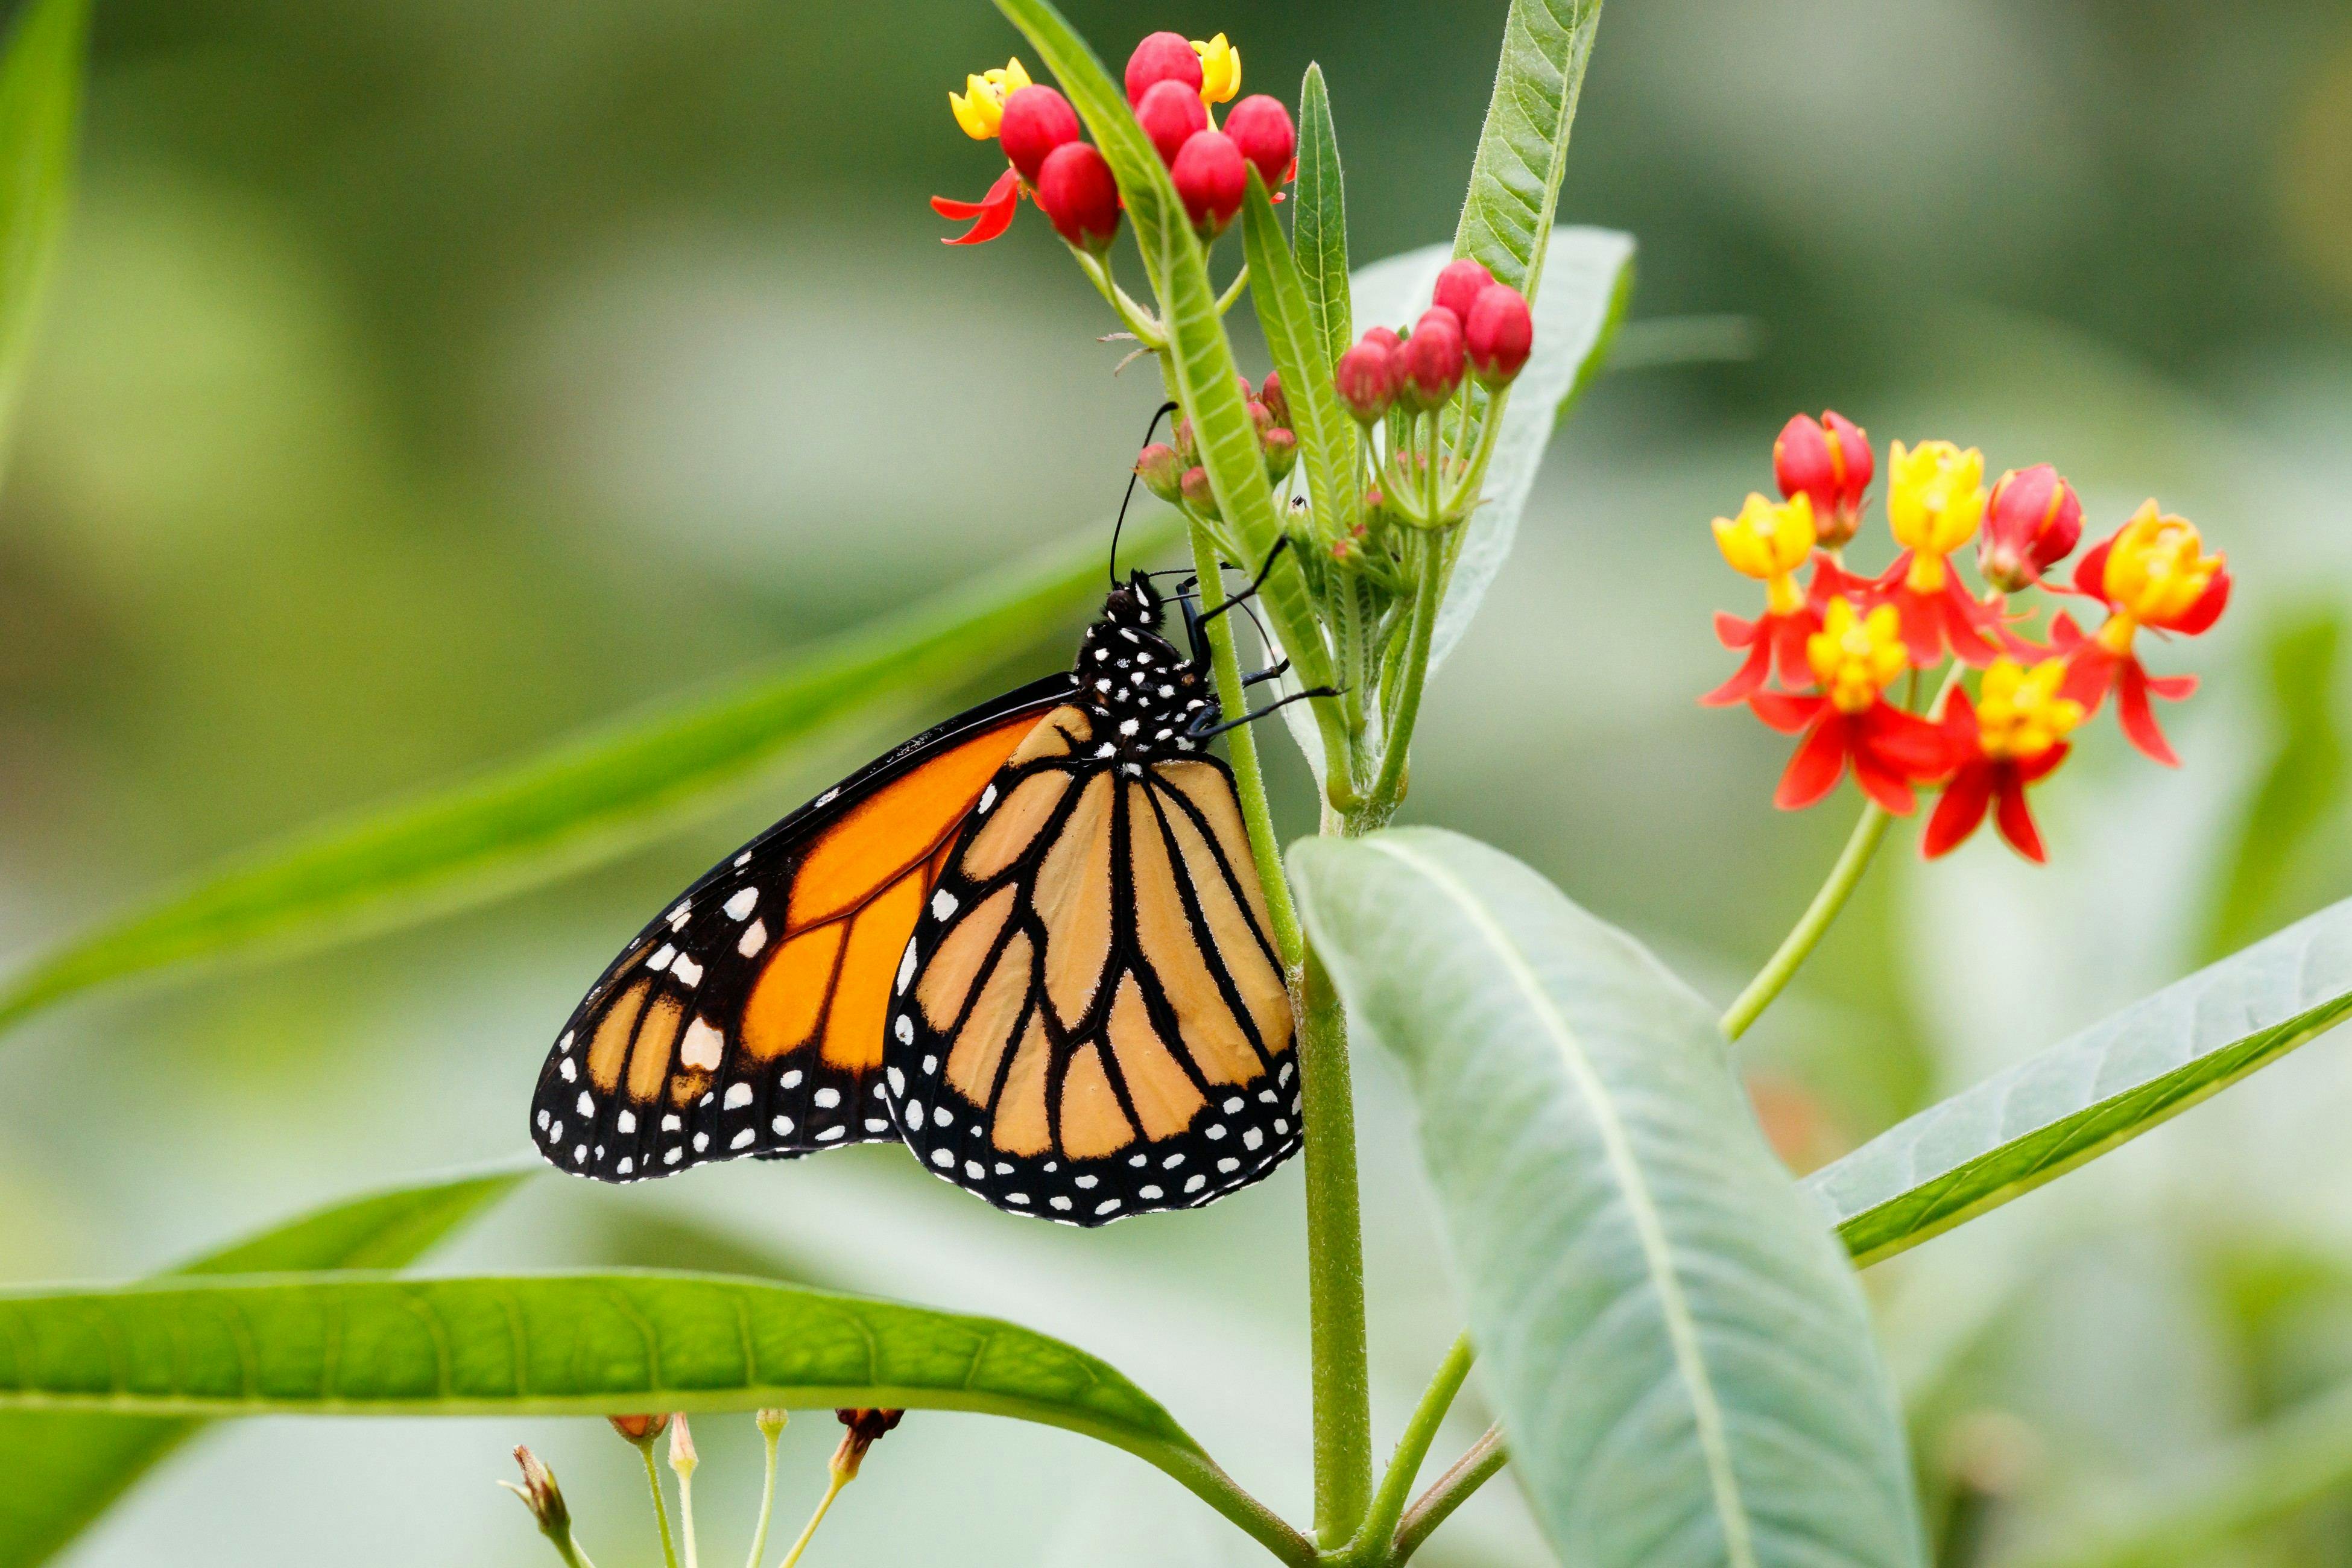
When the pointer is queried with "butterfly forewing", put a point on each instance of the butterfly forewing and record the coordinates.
(748, 1018)
(1092, 1020)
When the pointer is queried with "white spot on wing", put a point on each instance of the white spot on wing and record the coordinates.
(943, 904)
(688, 973)
(825, 1099)
(587, 1103)
(783, 1126)
(570, 1070)
(739, 1095)
(627, 1122)
(662, 955)
(702, 1047)
(754, 938)
(906, 969)
(739, 906)
(743, 1140)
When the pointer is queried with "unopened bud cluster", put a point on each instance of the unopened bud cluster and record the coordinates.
(1172, 469)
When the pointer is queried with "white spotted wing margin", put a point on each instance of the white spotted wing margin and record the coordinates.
(664, 1066)
(1090, 1020)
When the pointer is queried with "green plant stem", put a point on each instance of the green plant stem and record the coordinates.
(838, 1479)
(1371, 1543)
(1138, 320)
(1335, 1266)
(1241, 745)
(1487, 435)
(771, 1434)
(1231, 296)
(661, 1509)
(1807, 933)
(1474, 1468)
(1201, 1476)
(1429, 590)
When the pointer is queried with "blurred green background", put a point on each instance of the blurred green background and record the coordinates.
(423, 380)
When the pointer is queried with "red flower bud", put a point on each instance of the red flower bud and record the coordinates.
(1270, 394)
(2031, 522)
(1433, 358)
(1828, 461)
(1498, 333)
(1281, 452)
(640, 1430)
(1163, 57)
(1261, 128)
(1079, 196)
(1260, 414)
(1036, 121)
(1210, 180)
(1196, 491)
(1161, 470)
(1458, 286)
(1387, 337)
(1172, 114)
(1366, 375)
(1182, 437)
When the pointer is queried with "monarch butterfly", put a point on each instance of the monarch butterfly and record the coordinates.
(1031, 942)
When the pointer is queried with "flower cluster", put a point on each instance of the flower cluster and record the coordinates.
(1174, 86)
(1174, 474)
(1824, 659)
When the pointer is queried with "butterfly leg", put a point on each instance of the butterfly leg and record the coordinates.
(1270, 672)
(1265, 569)
(1214, 730)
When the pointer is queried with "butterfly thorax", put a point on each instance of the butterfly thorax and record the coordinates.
(1149, 699)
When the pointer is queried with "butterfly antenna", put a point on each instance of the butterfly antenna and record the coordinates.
(1149, 431)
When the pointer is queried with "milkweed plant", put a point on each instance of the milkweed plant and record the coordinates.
(1669, 1326)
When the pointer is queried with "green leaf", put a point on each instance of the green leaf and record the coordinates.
(2297, 803)
(1681, 1360)
(1588, 277)
(2085, 1095)
(40, 102)
(576, 1344)
(1327, 435)
(65, 1469)
(1319, 224)
(1523, 148)
(581, 804)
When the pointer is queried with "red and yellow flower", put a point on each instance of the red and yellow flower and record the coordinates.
(1935, 499)
(2152, 572)
(1849, 723)
(2012, 736)
(1221, 69)
(1768, 542)
(979, 111)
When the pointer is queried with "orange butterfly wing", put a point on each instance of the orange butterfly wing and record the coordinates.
(1093, 1021)
(748, 1018)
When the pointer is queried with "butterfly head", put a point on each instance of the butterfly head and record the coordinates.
(1135, 604)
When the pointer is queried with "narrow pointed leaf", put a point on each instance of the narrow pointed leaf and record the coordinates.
(1523, 147)
(65, 1469)
(582, 1345)
(1327, 435)
(581, 804)
(2019, 1129)
(1682, 1359)
(40, 102)
(1319, 230)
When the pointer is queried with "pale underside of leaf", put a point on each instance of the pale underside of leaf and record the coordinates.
(1680, 1355)
(2091, 1092)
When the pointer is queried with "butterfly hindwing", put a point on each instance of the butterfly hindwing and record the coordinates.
(749, 1017)
(1091, 1020)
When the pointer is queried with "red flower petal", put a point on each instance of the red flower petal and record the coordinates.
(2208, 608)
(1906, 745)
(1745, 682)
(1788, 711)
(1961, 615)
(1789, 634)
(1959, 811)
(2137, 719)
(993, 211)
(1733, 632)
(1818, 765)
(1881, 783)
(2091, 571)
(2171, 688)
(2033, 770)
(2015, 818)
(2090, 668)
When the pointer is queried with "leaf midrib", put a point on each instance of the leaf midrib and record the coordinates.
(1657, 1252)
